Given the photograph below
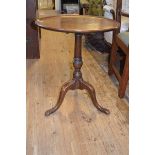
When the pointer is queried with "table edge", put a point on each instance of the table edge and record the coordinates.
(75, 31)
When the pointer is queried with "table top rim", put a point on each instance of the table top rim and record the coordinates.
(37, 22)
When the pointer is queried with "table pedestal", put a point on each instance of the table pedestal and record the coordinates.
(77, 82)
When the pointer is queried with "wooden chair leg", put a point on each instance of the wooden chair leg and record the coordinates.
(124, 78)
(112, 57)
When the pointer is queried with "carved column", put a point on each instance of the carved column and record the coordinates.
(77, 63)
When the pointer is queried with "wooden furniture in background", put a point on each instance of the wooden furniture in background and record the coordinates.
(53, 4)
(32, 42)
(120, 40)
(79, 25)
(46, 4)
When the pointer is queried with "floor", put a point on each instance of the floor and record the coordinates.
(77, 128)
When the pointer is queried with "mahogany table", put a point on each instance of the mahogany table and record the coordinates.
(79, 25)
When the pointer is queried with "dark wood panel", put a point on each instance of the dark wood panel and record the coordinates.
(32, 39)
(31, 6)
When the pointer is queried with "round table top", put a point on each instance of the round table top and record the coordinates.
(77, 24)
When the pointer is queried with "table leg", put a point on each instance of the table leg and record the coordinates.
(77, 82)
(91, 91)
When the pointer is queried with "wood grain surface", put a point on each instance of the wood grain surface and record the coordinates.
(77, 128)
(77, 23)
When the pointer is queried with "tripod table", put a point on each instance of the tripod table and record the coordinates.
(79, 25)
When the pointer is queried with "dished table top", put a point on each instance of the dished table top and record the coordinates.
(77, 24)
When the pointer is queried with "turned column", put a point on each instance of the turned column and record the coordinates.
(77, 62)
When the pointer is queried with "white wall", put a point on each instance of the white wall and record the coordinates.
(57, 5)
